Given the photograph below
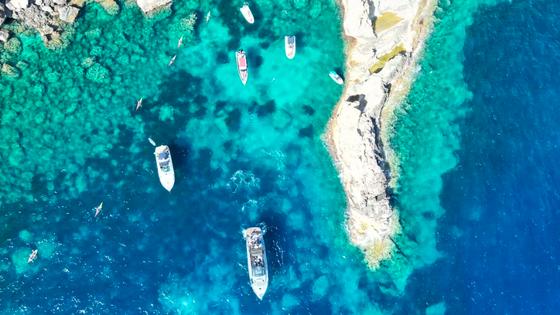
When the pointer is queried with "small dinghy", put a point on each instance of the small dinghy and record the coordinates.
(256, 260)
(172, 61)
(139, 103)
(32, 256)
(98, 209)
(336, 77)
(242, 69)
(247, 14)
(165, 167)
(290, 46)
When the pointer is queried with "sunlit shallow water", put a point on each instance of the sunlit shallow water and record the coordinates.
(243, 155)
(253, 155)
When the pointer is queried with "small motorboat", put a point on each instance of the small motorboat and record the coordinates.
(256, 260)
(242, 69)
(172, 61)
(247, 14)
(208, 16)
(139, 103)
(336, 77)
(290, 46)
(32, 256)
(164, 163)
(180, 42)
(98, 209)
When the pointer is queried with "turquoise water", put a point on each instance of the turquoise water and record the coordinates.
(478, 139)
(252, 155)
(243, 155)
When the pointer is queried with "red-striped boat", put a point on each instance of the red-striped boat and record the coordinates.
(241, 60)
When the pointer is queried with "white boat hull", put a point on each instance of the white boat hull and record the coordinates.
(164, 163)
(290, 46)
(242, 69)
(336, 78)
(247, 14)
(256, 260)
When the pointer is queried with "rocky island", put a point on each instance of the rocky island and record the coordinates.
(50, 18)
(384, 41)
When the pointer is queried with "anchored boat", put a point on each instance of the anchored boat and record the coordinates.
(165, 167)
(256, 260)
(242, 69)
(32, 256)
(336, 77)
(290, 46)
(247, 14)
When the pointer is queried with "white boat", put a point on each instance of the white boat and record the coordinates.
(242, 69)
(247, 14)
(32, 256)
(290, 46)
(336, 77)
(256, 260)
(165, 167)
(139, 103)
(98, 209)
(172, 61)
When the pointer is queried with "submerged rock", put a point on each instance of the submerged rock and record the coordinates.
(10, 71)
(151, 6)
(98, 73)
(110, 6)
(13, 45)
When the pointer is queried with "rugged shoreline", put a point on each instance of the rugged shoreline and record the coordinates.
(384, 42)
(53, 18)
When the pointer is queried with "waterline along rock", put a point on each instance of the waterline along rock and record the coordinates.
(151, 6)
(384, 39)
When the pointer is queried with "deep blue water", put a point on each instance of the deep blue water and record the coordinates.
(500, 234)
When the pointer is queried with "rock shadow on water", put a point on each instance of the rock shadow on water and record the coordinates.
(263, 110)
(254, 59)
(177, 88)
(306, 132)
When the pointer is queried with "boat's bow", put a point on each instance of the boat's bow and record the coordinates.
(256, 260)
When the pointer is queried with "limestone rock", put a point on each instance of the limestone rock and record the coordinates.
(4, 36)
(150, 6)
(380, 65)
(68, 13)
(17, 5)
(2, 13)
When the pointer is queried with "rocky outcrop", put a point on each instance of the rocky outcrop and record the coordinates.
(50, 17)
(68, 13)
(149, 7)
(384, 39)
(47, 17)
(4, 36)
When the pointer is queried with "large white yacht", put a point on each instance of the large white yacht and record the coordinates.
(256, 260)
